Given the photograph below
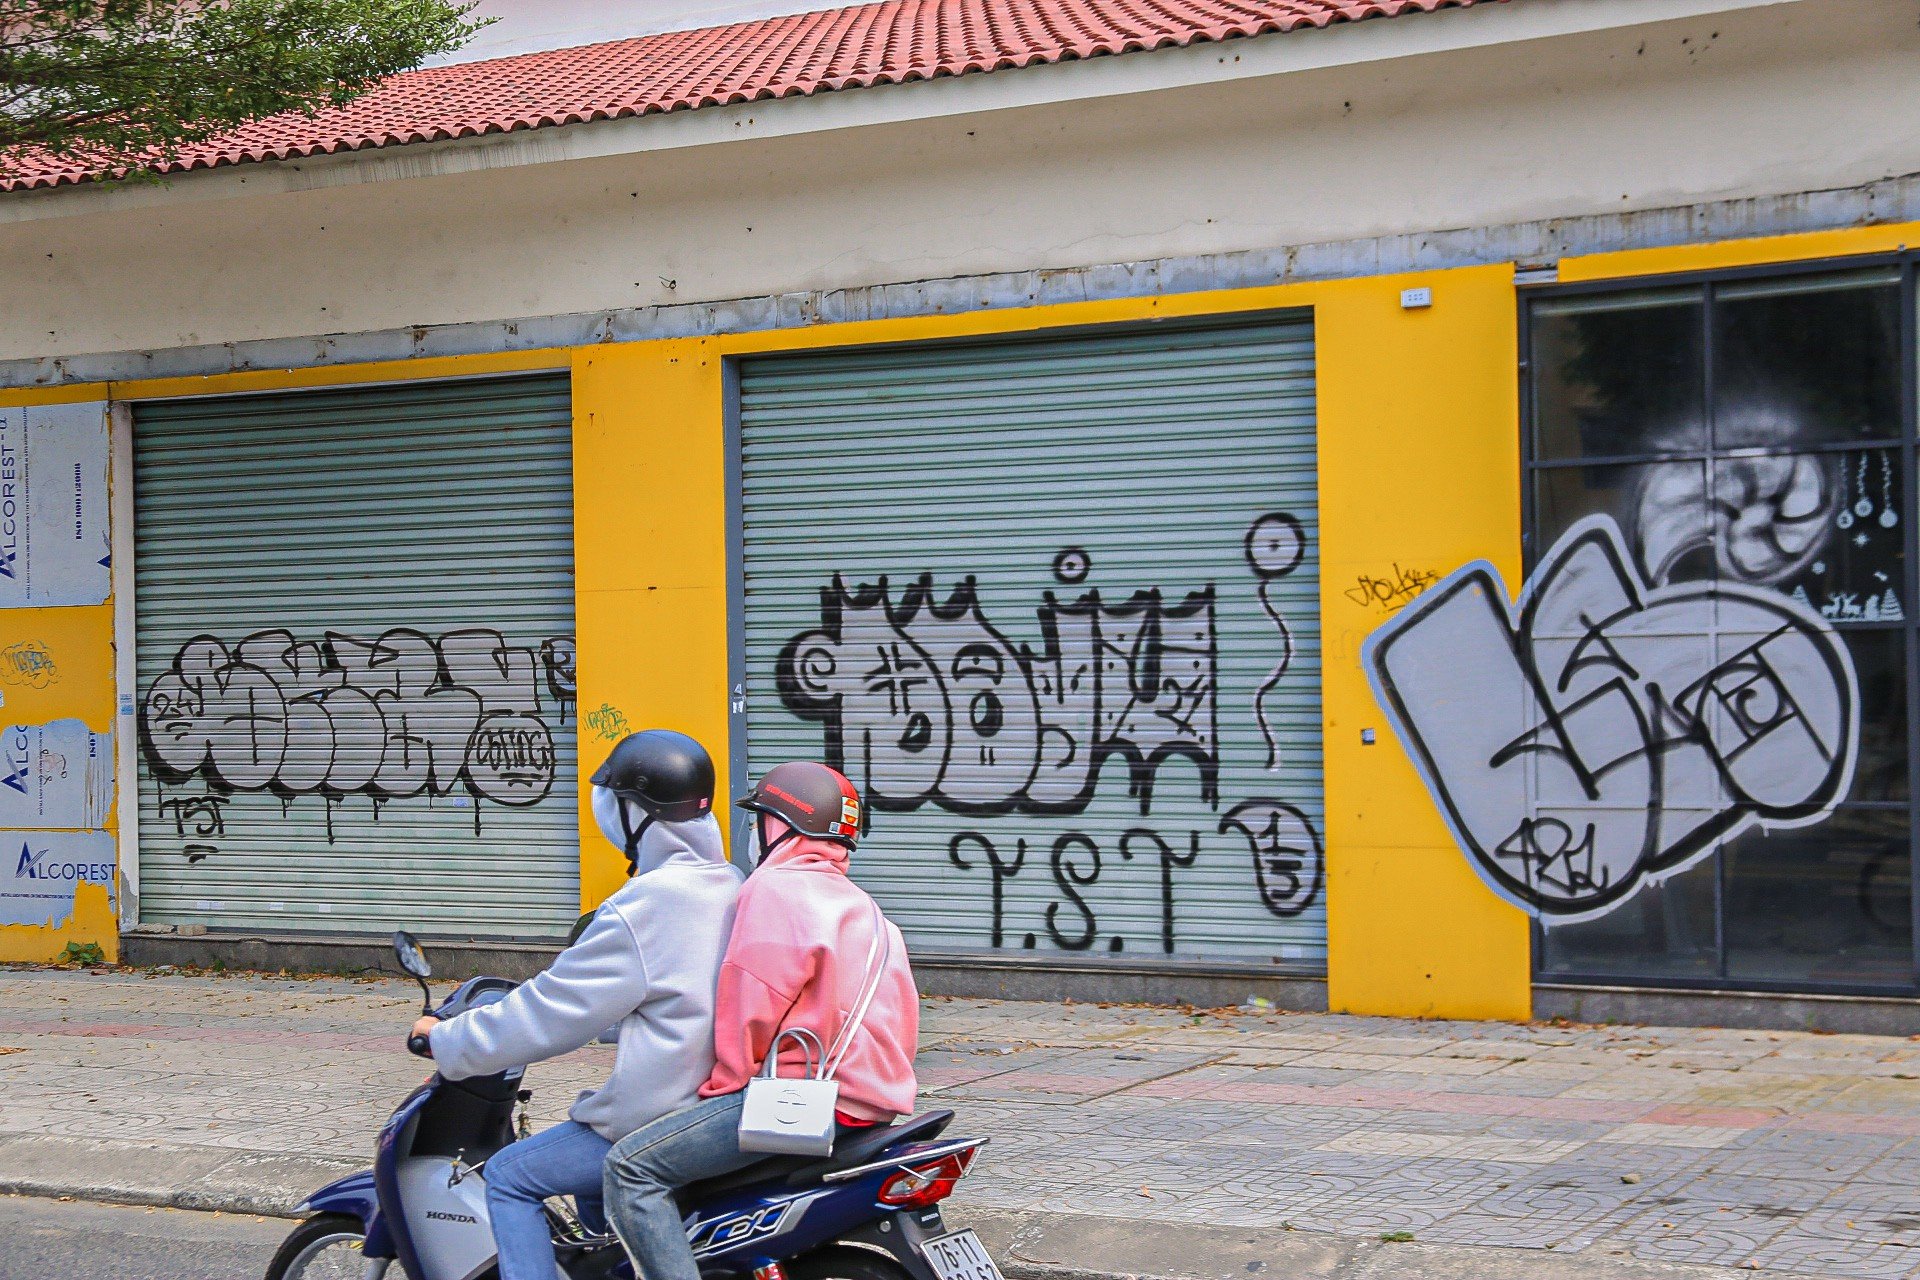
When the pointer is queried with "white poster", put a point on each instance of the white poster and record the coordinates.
(54, 541)
(41, 873)
(55, 775)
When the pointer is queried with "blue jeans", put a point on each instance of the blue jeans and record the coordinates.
(563, 1161)
(688, 1146)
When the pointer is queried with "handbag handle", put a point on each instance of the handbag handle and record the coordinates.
(877, 955)
(809, 1045)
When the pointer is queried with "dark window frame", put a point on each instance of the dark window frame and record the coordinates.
(1908, 267)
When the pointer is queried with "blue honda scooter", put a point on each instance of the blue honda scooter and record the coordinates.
(871, 1211)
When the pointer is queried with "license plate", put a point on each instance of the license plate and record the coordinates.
(960, 1256)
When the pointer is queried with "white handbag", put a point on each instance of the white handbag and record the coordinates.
(796, 1117)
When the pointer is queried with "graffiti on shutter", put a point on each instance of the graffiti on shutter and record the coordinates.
(923, 700)
(398, 717)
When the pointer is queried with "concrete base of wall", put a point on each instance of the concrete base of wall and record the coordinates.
(1203, 986)
(1754, 1010)
(306, 953)
(972, 976)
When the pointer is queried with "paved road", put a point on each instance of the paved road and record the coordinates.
(50, 1240)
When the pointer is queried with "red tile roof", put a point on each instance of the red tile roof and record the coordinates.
(890, 42)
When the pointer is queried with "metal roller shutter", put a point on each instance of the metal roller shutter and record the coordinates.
(354, 620)
(1053, 605)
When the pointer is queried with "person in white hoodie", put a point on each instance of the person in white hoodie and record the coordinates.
(647, 963)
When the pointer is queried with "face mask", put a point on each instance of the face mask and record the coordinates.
(622, 822)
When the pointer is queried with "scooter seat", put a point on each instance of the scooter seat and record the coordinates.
(799, 1171)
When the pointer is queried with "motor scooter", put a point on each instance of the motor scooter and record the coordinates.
(871, 1211)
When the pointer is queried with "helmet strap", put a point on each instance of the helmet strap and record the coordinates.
(633, 835)
(767, 847)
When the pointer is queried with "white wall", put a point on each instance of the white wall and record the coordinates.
(521, 26)
(1785, 99)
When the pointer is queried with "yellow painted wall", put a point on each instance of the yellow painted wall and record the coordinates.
(79, 641)
(1419, 460)
(650, 559)
(1419, 474)
(1419, 466)
(1895, 237)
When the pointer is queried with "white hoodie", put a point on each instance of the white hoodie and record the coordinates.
(649, 962)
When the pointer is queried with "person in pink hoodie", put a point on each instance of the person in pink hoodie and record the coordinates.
(797, 957)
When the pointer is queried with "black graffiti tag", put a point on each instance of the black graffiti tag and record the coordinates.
(399, 716)
(1287, 859)
(1076, 861)
(924, 701)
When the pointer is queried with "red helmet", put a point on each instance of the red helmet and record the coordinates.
(811, 798)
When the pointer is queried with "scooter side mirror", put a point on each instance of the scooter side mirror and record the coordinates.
(406, 949)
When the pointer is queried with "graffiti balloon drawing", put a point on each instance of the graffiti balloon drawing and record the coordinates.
(1765, 521)
(1605, 733)
(1275, 546)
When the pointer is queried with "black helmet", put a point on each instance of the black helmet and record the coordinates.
(667, 774)
(811, 798)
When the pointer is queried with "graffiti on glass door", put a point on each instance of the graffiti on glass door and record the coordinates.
(1607, 732)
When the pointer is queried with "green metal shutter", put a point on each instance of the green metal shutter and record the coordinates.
(1072, 652)
(354, 621)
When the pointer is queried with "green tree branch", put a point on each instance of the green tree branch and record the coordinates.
(123, 85)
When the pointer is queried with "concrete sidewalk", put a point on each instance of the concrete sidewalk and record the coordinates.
(1125, 1140)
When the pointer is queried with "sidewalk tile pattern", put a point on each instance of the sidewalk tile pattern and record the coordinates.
(1789, 1152)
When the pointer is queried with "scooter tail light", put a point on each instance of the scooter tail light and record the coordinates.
(922, 1186)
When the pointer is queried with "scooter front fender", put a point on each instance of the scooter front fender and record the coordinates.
(355, 1196)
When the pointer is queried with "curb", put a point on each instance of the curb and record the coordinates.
(1061, 1245)
(205, 1179)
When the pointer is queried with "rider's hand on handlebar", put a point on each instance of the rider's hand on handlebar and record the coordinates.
(419, 1036)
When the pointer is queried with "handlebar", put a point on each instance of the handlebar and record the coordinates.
(472, 994)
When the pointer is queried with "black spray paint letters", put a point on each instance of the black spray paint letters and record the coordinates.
(923, 701)
(1287, 858)
(926, 701)
(1074, 862)
(399, 716)
(1284, 848)
(1605, 733)
(1391, 589)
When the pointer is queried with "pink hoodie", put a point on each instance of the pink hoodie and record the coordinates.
(797, 959)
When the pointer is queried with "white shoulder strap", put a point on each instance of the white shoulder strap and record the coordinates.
(878, 953)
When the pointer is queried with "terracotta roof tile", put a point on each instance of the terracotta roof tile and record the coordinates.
(890, 42)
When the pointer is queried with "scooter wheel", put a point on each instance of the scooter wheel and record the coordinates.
(324, 1246)
(846, 1264)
